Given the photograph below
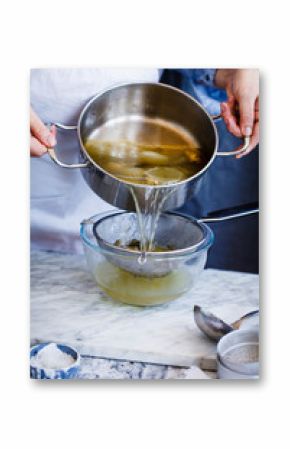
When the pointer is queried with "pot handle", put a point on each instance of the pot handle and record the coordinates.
(52, 154)
(229, 214)
(234, 152)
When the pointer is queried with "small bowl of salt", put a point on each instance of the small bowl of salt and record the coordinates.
(53, 361)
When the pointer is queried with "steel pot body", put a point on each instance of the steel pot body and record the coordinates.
(134, 104)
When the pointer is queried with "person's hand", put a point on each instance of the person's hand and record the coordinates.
(41, 137)
(241, 111)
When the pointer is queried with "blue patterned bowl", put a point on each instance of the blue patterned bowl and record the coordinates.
(69, 372)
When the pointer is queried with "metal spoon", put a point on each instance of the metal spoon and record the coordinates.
(214, 327)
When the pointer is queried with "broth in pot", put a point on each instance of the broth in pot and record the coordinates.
(145, 151)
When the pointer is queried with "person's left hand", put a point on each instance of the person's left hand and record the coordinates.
(241, 111)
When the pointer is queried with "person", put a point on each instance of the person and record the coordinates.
(60, 198)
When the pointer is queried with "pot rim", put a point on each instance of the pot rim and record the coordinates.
(142, 186)
(205, 244)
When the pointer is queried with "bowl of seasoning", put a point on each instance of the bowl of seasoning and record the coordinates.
(238, 355)
(53, 361)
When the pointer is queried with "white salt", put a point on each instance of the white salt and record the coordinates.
(51, 357)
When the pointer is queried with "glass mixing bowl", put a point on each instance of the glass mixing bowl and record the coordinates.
(164, 276)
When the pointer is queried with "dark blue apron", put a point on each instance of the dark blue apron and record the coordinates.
(229, 182)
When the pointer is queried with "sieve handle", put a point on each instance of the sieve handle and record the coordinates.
(241, 150)
(52, 154)
(229, 214)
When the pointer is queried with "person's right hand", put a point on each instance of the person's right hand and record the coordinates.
(241, 110)
(41, 137)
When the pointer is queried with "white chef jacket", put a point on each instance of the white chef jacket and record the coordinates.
(60, 198)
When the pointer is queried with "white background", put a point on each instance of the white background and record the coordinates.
(133, 414)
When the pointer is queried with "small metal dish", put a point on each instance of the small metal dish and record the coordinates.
(238, 355)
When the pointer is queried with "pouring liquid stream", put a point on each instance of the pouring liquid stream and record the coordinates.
(148, 217)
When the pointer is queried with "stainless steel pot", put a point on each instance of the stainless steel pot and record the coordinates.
(134, 104)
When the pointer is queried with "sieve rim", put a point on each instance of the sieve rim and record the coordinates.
(110, 249)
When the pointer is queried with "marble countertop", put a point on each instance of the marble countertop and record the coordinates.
(98, 368)
(68, 307)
